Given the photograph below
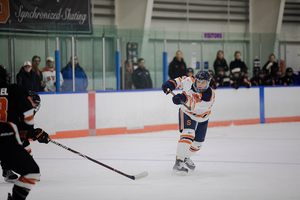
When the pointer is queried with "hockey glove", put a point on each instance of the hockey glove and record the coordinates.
(40, 135)
(176, 99)
(170, 84)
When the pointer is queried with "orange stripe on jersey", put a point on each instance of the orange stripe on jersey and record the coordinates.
(212, 94)
(29, 118)
(29, 151)
(174, 83)
(185, 141)
(27, 180)
(188, 136)
(31, 101)
(180, 80)
(192, 79)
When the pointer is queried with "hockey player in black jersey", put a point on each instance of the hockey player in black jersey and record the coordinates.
(16, 122)
(9, 175)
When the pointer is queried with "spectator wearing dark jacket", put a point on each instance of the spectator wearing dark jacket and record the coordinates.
(221, 79)
(259, 80)
(177, 67)
(288, 78)
(36, 60)
(81, 81)
(271, 67)
(238, 79)
(237, 63)
(220, 63)
(278, 78)
(28, 78)
(141, 76)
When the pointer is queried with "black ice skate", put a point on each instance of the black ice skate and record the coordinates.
(9, 197)
(179, 168)
(9, 176)
(189, 163)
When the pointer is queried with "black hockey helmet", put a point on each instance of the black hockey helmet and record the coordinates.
(35, 97)
(202, 75)
(289, 70)
(190, 70)
(4, 77)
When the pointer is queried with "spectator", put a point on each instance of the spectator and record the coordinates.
(237, 63)
(220, 62)
(141, 76)
(212, 82)
(28, 78)
(36, 60)
(259, 80)
(128, 73)
(238, 79)
(278, 77)
(222, 80)
(270, 67)
(49, 74)
(177, 67)
(189, 72)
(288, 78)
(81, 81)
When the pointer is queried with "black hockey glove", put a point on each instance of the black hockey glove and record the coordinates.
(170, 84)
(176, 99)
(40, 135)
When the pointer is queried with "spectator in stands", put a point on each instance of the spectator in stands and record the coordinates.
(49, 74)
(259, 80)
(128, 73)
(177, 67)
(222, 80)
(141, 76)
(288, 78)
(190, 72)
(278, 78)
(81, 80)
(212, 83)
(238, 79)
(28, 78)
(36, 60)
(220, 62)
(270, 67)
(237, 63)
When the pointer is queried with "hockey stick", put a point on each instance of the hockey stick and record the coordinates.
(133, 177)
(188, 107)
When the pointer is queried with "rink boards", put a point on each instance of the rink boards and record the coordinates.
(67, 115)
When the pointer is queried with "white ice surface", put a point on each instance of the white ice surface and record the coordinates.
(237, 162)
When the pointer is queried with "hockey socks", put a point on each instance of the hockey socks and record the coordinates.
(20, 193)
(184, 143)
(23, 186)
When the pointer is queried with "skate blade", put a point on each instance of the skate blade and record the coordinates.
(180, 173)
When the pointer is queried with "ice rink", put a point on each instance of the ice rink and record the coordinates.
(236, 162)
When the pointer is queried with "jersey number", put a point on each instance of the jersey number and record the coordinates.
(3, 109)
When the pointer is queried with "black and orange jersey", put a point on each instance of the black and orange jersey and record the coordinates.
(16, 106)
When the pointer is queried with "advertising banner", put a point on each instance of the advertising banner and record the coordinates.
(46, 15)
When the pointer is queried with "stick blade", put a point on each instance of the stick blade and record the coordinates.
(141, 175)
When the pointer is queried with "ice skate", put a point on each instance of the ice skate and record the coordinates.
(189, 163)
(9, 176)
(179, 168)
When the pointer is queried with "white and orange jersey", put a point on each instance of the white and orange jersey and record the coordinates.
(49, 77)
(200, 103)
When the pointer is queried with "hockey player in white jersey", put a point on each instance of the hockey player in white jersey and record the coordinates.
(199, 97)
